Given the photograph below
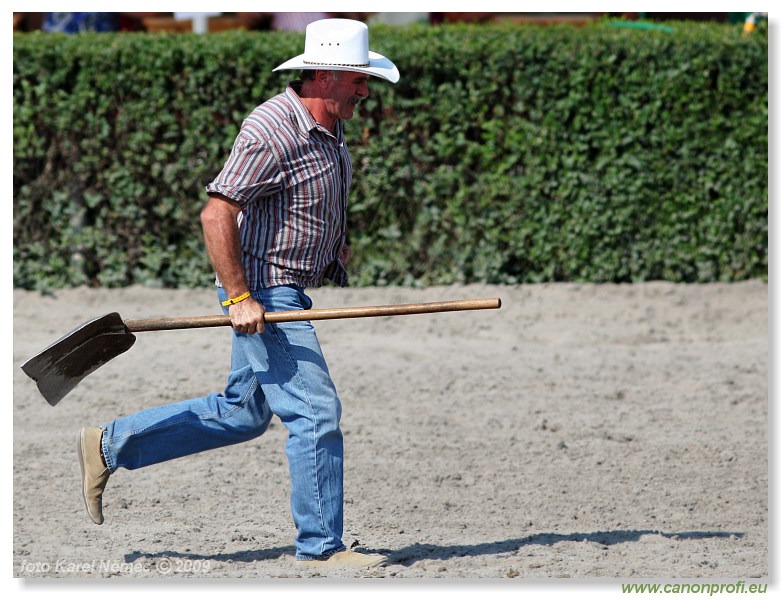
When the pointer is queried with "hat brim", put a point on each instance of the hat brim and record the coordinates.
(379, 66)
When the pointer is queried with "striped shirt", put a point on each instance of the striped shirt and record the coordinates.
(291, 177)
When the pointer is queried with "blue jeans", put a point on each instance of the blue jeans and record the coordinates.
(279, 372)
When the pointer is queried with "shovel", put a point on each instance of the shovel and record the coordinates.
(60, 367)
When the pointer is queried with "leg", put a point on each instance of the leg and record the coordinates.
(158, 434)
(163, 433)
(288, 363)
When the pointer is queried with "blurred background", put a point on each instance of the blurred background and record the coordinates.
(202, 22)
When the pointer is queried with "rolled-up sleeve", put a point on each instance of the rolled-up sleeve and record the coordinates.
(251, 172)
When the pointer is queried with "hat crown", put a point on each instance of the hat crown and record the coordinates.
(341, 45)
(337, 42)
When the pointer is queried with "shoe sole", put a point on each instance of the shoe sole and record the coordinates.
(379, 562)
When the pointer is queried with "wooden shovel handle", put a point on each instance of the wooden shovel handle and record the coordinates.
(318, 314)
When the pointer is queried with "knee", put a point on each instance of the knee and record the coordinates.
(255, 421)
(312, 420)
(325, 420)
(329, 419)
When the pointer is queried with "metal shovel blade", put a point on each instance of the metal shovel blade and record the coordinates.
(60, 367)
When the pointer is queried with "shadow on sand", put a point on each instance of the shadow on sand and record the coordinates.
(411, 554)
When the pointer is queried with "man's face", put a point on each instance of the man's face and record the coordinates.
(344, 91)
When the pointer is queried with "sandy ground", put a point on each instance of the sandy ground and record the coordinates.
(589, 433)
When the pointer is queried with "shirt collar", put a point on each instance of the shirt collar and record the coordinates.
(306, 122)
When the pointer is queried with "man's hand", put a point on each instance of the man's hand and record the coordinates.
(248, 316)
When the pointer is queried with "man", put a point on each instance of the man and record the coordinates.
(274, 224)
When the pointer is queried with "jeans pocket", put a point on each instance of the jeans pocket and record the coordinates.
(306, 301)
(302, 300)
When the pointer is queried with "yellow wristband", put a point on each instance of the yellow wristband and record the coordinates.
(236, 300)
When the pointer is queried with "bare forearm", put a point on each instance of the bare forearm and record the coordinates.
(221, 235)
(223, 244)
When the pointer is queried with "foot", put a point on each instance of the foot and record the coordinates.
(348, 558)
(94, 473)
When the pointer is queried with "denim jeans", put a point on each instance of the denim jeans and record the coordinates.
(280, 372)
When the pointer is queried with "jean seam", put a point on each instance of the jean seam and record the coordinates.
(307, 397)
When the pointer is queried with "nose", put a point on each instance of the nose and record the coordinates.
(363, 90)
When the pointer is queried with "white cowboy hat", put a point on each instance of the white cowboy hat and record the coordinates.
(341, 45)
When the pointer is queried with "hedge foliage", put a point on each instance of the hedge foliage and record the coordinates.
(505, 154)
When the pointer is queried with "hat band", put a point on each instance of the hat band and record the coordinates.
(309, 62)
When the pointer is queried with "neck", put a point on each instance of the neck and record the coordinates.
(318, 109)
(317, 105)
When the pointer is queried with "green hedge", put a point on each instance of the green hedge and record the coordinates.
(504, 155)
